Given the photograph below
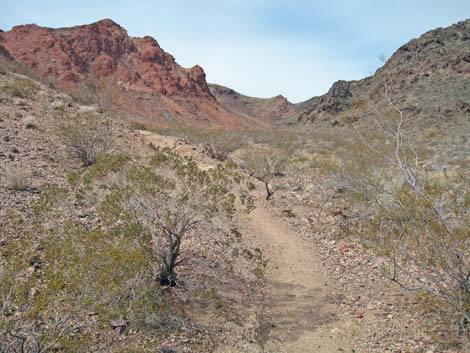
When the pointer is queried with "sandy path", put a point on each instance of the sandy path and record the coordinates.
(298, 316)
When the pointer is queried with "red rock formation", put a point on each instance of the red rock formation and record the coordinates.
(100, 50)
(145, 80)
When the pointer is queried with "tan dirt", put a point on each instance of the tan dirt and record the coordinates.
(297, 317)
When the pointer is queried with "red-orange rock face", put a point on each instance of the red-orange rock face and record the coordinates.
(101, 50)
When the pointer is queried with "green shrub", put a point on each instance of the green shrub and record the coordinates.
(172, 201)
(103, 165)
(21, 87)
(49, 295)
(418, 219)
(50, 194)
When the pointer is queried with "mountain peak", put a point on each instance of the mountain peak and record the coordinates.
(99, 50)
(107, 22)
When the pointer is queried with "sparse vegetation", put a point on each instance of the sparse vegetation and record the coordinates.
(17, 179)
(87, 137)
(147, 246)
(21, 87)
(100, 94)
(417, 218)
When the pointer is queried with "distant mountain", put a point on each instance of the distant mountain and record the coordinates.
(428, 77)
(274, 109)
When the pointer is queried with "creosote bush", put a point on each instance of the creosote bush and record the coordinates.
(21, 87)
(86, 137)
(47, 296)
(418, 219)
(172, 200)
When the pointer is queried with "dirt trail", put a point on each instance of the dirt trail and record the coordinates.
(299, 314)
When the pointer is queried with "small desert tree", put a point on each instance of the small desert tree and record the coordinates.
(264, 165)
(219, 144)
(100, 92)
(86, 137)
(418, 219)
(171, 201)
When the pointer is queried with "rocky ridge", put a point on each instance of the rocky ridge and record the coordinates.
(137, 74)
(273, 109)
(428, 77)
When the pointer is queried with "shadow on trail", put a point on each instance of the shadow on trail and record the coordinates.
(292, 311)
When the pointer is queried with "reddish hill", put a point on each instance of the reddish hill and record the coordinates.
(146, 81)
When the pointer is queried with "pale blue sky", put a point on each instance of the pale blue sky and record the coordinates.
(262, 48)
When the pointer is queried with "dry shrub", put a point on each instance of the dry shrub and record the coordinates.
(217, 144)
(86, 137)
(264, 164)
(101, 94)
(418, 219)
(30, 123)
(21, 87)
(17, 179)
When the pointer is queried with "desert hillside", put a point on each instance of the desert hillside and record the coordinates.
(145, 210)
(429, 78)
(133, 73)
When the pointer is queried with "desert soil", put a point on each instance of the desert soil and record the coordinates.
(297, 316)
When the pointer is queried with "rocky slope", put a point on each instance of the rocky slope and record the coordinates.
(136, 72)
(312, 289)
(38, 189)
(427, 77)
(273, 109)
(102, 49)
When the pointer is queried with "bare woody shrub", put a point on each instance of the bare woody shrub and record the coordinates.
(86, 137)
(417, 219)
(17, 179)
(263, 164)
(219, 144)
(100, 93)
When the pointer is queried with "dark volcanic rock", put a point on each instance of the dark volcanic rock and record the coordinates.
(429, 76)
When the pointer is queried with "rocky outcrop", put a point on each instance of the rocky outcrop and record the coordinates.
(101, 50)
(429, 76)
(141, 78)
